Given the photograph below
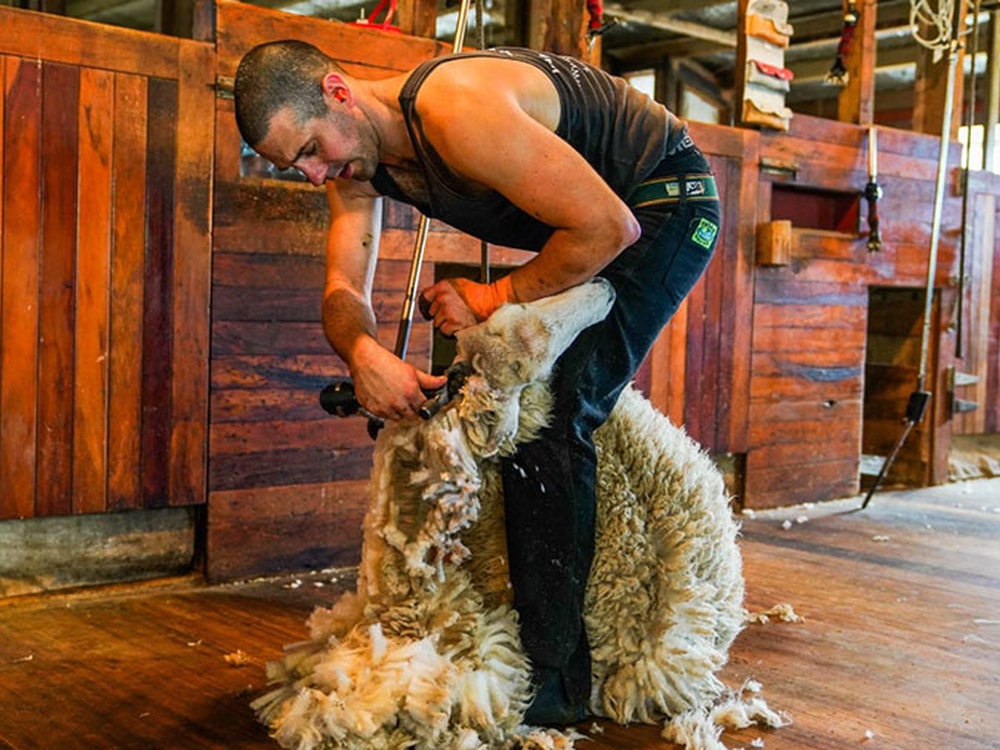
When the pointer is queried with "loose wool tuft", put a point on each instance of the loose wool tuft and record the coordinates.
(427, 652)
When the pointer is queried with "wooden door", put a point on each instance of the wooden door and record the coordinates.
(105, 189)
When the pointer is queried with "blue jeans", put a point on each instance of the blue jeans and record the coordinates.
(549, 494)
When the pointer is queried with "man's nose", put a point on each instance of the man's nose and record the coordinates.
(316, 176)
(315, 173)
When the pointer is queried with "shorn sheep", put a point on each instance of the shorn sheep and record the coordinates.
(426, 652)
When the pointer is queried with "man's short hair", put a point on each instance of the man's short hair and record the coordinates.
(281, 74)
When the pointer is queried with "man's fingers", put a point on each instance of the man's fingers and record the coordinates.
(424, 303)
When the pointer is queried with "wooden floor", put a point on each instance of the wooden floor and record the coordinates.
(900, 646)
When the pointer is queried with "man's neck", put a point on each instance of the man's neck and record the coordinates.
(380, 104)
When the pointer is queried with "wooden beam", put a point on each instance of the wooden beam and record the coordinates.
(667, 22)
(676, 6)
(815, 69)
(856, 102)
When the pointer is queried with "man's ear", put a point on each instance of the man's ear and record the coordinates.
(336, 88)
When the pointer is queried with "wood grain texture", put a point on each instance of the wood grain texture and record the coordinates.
(93, 392)
(899, 637)
(157, 321)
(65, 40)
(127, 285)
(90, 412)
(191, 276)
(19, 278)
(60, 113)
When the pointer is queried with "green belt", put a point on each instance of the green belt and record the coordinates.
(698, 187)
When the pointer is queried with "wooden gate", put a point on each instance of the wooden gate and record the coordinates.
(105, 191)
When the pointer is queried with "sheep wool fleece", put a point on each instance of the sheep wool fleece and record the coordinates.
(426, 653)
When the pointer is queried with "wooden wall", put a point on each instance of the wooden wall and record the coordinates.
(106, 146)
(810, 317)
(287, 481)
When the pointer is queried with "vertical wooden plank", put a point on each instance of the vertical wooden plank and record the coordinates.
(418, 18)
(60, 92)
(742, 58)
(856, 102)
(125, 355)
(90, 406)
(192, 272)
(157, 327)
(992, 352)
(750, 195)
(674, 374)
(20, 279)
(3, 112)
(558, 26)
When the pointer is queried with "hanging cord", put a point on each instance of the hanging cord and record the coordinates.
(970, 122)
(838, 74)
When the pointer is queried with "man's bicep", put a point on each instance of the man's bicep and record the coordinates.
(353, 239)
(507, 150)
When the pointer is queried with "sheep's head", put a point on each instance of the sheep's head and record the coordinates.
(511, 356)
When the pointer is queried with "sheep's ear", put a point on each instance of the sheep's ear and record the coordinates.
(531, 336)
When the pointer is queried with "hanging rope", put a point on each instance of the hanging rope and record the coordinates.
(933, 29)
(838, 74)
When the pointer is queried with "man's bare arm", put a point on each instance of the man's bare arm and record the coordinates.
(384, 384)
(497, 129)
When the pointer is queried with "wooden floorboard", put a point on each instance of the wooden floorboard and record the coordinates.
(900, 640)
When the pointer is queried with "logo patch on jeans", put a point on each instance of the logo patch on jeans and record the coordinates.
(704, 233)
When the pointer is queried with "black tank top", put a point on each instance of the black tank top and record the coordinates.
(620, 131)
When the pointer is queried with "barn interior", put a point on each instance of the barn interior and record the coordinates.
(174, 501)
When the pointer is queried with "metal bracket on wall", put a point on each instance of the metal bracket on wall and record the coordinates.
(781, 168)
(955, 380)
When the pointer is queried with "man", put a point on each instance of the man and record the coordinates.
(523, 149)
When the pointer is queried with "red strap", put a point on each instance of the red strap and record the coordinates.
(773, 70)
(596, 10)
(389, 6)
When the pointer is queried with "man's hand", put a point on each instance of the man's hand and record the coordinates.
(454, 304)
(389, 387)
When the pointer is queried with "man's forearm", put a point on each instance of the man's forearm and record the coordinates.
(348, 321)
(569, 259)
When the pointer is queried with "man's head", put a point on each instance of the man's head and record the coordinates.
(275, 75)
(296, 107)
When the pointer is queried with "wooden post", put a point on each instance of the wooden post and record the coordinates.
(929, 94)
(856, 103)
(741, 62)
(558, 26)
(418, 18)
(993, 92)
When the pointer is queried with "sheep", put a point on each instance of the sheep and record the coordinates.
(426, 652)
